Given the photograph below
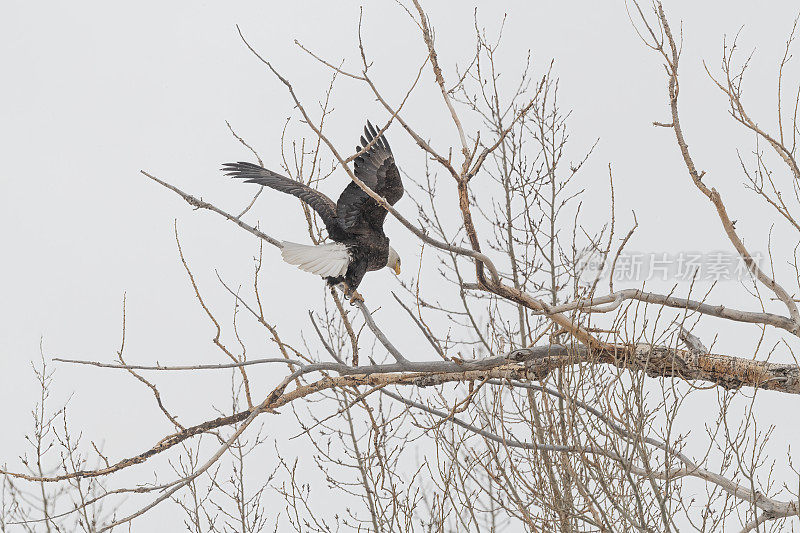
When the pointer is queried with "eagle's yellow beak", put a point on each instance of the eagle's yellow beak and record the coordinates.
(397, 268)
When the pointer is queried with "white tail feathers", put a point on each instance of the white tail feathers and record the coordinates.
(326, 260)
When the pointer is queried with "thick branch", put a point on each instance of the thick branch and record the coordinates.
(526, 363)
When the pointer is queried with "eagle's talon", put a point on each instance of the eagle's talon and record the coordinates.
(351, 294)
(355, 296)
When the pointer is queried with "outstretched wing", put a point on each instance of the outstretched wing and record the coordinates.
(316, 200)
(376, 168)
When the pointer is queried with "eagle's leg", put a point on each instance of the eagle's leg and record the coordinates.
(355, 273)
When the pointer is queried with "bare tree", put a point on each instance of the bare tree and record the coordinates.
(540, 397)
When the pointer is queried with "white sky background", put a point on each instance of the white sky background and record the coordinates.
(92, 93)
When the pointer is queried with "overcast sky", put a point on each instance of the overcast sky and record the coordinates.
(93, 92)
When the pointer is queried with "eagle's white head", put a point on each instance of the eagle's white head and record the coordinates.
(394, 261)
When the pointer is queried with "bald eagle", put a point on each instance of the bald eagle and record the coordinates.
(354, 222)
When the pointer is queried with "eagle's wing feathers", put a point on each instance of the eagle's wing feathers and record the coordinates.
(252, 173)
(376, 168)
